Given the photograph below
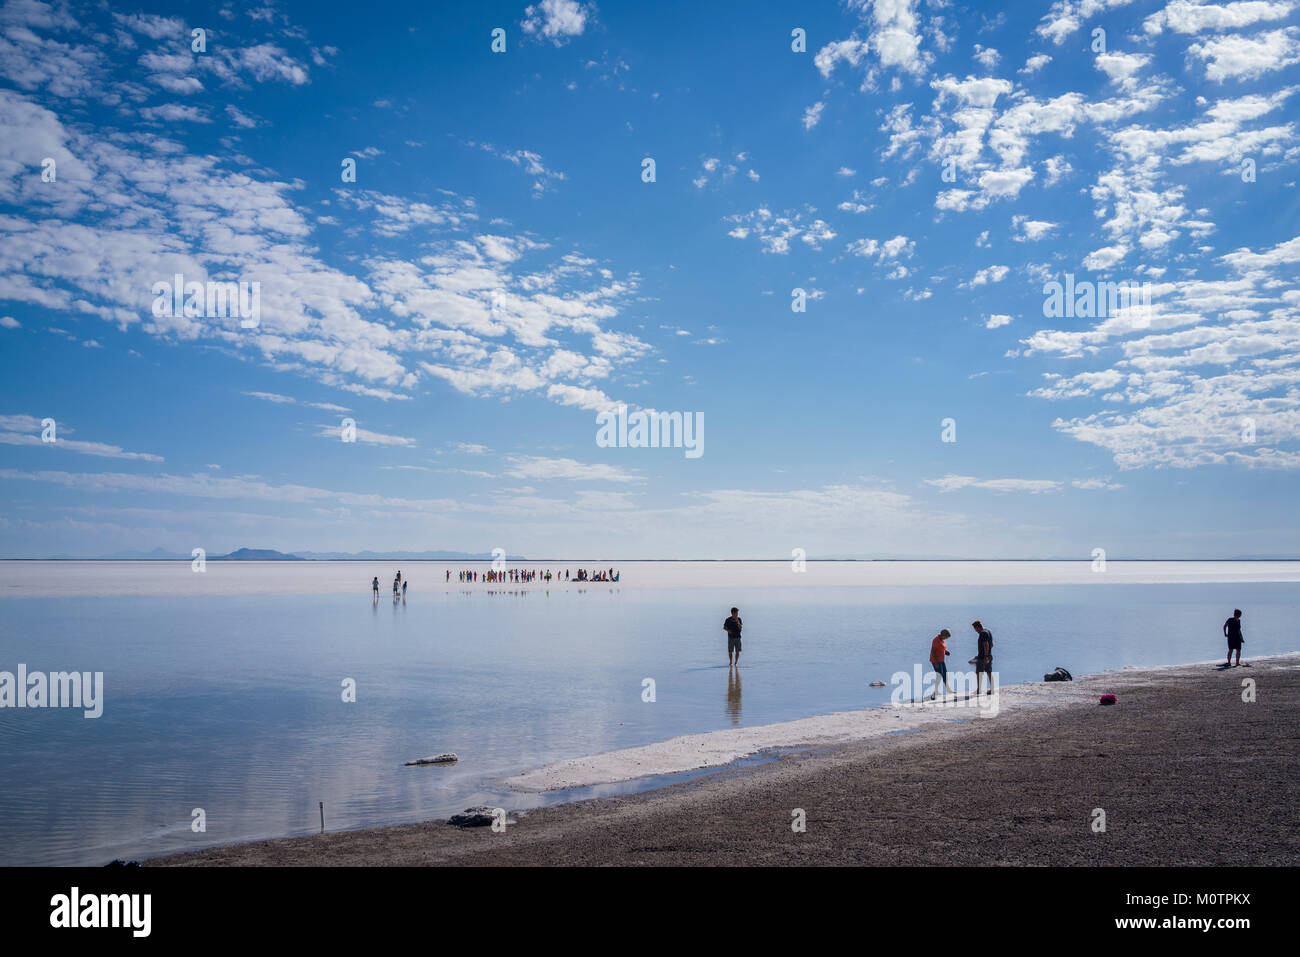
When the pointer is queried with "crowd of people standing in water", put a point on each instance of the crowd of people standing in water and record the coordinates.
(514, 576)
(523, 576)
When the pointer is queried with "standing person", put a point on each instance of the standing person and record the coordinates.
(732, 627)
(1232, 631)
(395, 587)
(983, 655)
(374, 586)
(404, 584)
(939, 651)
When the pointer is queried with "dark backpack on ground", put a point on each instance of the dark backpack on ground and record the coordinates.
(1060, 674)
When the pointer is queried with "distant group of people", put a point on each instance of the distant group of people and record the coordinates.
(595, 575)
(522, 576)
(512, 575)
(399, 587)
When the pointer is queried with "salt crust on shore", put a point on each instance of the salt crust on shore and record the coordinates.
(716, 748)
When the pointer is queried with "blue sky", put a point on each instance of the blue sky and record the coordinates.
(499, 272)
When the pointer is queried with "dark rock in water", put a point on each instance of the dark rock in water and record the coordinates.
(478, 816)
(117, 862)
(1060, 674)
(876, 684)
(446, 758)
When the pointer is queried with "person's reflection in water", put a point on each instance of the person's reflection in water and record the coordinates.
(733, 695)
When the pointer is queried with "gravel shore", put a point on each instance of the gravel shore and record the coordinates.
(1186, 772)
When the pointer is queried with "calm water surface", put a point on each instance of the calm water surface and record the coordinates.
(232, 703)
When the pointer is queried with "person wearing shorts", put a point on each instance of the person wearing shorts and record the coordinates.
(732, 627)
(939, 651)
(1232, 631)
(983, 656)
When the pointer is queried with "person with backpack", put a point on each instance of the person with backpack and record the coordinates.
(1232, 631)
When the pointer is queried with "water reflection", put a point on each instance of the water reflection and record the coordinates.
(733, 695)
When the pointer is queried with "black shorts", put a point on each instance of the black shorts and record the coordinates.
(985, 665)
(1234, 644)
(733, 644)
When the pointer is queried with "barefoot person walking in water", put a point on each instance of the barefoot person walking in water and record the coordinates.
(732, 627)
(1232, 631)
(983, 656)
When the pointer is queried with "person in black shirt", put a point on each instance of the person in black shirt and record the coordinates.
(983, 656)
(1232, 631)
(732, 627)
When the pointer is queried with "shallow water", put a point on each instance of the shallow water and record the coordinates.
(232, 702)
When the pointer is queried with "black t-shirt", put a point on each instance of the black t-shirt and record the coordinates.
(985, 644)
(1233, 625)
(732, 624)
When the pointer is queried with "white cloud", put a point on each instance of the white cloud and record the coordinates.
(1122, 68)
(1208, 375)
(1243, 58)
(990, 275)
(1031, 230)
(1105, 257)
(27, 430)
(852, 51)
(1096, 484)
(775, 232)
(1035, 63)
(541, 468)
(544, 179)
(467, 309)
(1184, 16)
(556, 20)
(1067, 16)
(953, 483)
(898, 246)
(365, 436)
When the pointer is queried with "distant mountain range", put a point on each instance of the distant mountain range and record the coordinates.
(271, 555)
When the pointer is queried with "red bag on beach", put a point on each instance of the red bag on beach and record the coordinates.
(1108, 699)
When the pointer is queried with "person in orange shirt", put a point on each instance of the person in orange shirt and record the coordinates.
(939, 651)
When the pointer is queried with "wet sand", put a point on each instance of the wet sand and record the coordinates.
(1186, 772)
